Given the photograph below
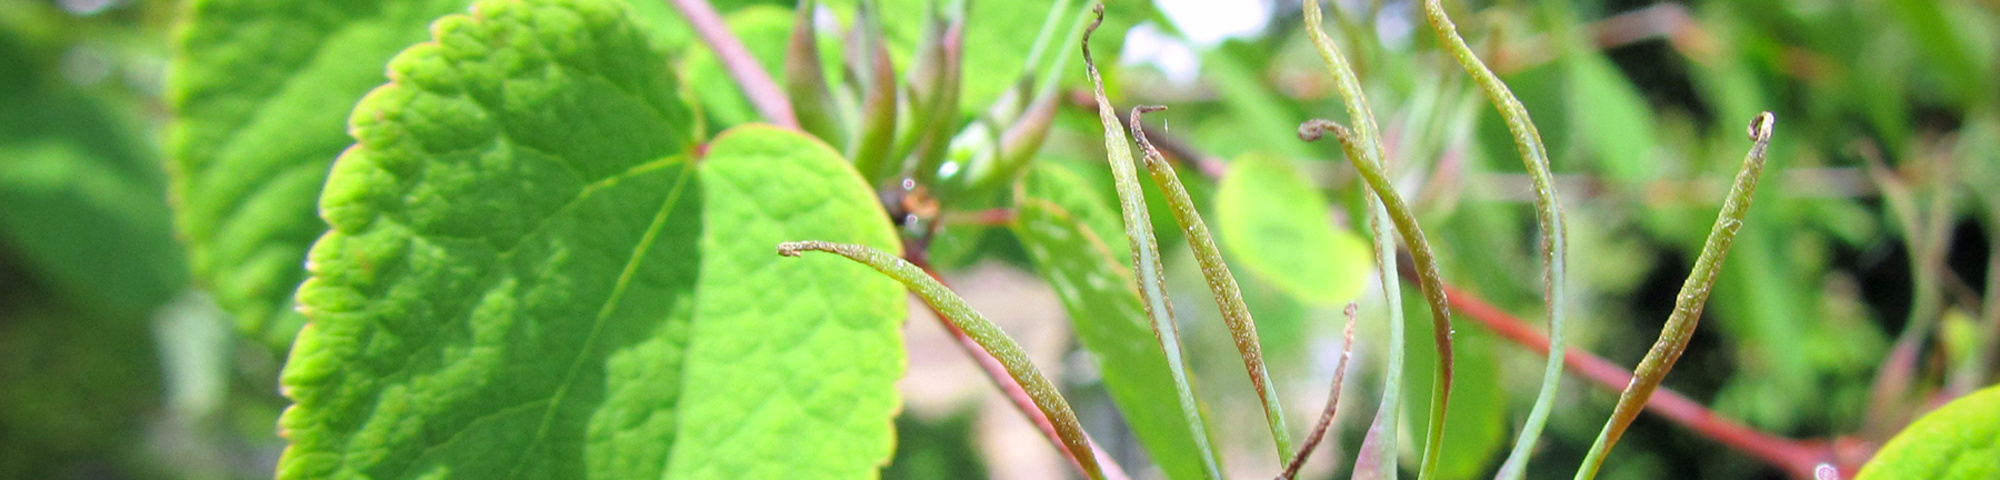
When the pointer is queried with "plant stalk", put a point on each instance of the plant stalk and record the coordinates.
(1019, 397)
(1792, 456)
(1332, 401)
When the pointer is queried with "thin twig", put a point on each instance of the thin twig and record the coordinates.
(992, 217)
(756, 84)
(1548, 218)
(1332, 401)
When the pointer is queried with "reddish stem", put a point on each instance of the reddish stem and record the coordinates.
(750, 77)
(1794, 457)
(1015, 394)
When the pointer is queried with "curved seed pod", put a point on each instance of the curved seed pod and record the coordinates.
(1693, 296)
(1221, 284)
(988, 336)
(1428, 279)
(1377, 459)
(1146, 252)
(1548, 216)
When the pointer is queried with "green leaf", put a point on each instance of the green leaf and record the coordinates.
(528, 277)
(102, 237)
(260, 90)
(1960, 440)
(1071, 236)
(766, 31)
(998, 37)
(936, 448)
(1278, 228)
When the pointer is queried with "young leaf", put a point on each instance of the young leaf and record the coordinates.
(1278, 227)
(1959, 441)
(528, 277)
(1221, 283)
(1070, 236)
(981, 330)
(1145, 248)
(1548, 216)
(998, 41)
(876, 133)
(260, 90)
(1674, 336)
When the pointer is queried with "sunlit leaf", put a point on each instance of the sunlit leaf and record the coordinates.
(530, 276)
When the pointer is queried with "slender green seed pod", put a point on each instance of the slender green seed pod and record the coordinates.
(1693, 296)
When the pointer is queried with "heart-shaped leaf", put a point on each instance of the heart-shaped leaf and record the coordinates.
(530, 275)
